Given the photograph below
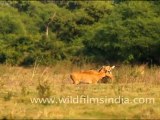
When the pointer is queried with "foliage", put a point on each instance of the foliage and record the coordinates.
(99, 31)
(130, 34)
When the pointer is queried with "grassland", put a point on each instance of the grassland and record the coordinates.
(18, 85)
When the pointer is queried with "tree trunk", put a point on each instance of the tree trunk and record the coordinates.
(50, 20)
(47, 31)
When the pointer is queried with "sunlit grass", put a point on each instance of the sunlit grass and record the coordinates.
(18, 85)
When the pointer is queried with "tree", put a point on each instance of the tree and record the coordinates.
(50, 20)
(128, 34)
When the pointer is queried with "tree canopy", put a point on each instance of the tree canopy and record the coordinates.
(95, 31)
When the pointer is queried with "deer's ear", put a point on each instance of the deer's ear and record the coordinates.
(113, 67)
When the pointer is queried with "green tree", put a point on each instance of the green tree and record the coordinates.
(128, 34)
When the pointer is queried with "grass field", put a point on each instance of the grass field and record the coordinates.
(19, 85)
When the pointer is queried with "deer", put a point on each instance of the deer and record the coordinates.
(91, 76)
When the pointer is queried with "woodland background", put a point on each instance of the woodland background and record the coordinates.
(49, 31)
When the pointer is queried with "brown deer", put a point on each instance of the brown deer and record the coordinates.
(91, 76)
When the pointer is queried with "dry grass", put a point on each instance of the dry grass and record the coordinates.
(18, 85)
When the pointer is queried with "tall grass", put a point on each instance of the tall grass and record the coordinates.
(19, 84)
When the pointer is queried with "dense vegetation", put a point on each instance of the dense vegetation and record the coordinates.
(96, 31)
